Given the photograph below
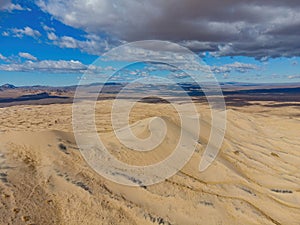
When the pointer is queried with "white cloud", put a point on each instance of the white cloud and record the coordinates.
(13, 7)
(46, 28)
(68, 42)
(9, 6)
(26, 55)
(151, 50)
(92, 44)
(52, 66)
(225, 75)
(26, 31)
(294, 77)
(52, 36)
(5, 33)
(2, 57)
(236, 66)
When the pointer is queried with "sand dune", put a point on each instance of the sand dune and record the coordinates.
(254, 180)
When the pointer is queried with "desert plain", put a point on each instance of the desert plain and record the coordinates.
(255, 178)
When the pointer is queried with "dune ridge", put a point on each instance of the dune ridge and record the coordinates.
(254, 180)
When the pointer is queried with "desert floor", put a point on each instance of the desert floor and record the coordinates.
(254, 180)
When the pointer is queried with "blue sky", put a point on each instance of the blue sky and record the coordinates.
(51, 42)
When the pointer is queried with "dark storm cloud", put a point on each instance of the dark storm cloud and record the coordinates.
(229, 27)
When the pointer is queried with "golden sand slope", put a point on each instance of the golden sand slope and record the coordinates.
(255, 179)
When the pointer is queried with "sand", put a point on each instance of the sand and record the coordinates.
(254, 180)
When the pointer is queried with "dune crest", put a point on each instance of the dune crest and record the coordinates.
(255, 178)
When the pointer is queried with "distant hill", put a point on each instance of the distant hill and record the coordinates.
(8, 86)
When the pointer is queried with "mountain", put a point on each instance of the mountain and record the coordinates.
(8, 86)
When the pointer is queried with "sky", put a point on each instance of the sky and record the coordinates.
(54, 42)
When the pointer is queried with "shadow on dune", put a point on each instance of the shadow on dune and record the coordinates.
(39, 96)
